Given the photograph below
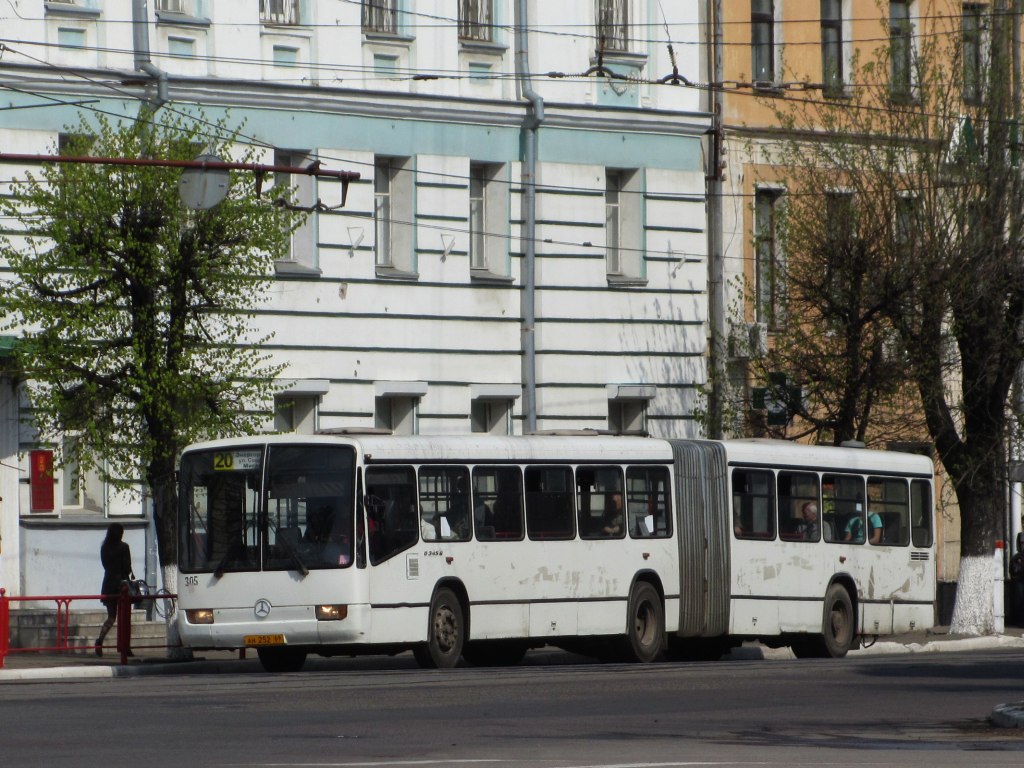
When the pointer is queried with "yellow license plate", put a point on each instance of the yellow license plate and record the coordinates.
(250, 640)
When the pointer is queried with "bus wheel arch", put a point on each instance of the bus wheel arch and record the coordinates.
(447, 627)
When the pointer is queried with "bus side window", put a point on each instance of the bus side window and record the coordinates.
(600, 503)
(444, 504)
(392, 518)
(498, 503)
(648, 502)
(921, 512)
(888, 504)
(753, 504)
(549, 503)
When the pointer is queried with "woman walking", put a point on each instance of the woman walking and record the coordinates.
(116, 557)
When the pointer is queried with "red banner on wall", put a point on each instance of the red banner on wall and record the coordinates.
(41, 479)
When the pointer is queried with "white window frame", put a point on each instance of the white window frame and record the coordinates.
(488, 220)
(898, 89)
(476, 20)
(393, 216)
(380, 17)
(302, 246)
(769, 267)
(763, 51)
(491, 408)
(612, 25)
(624, 224)
(833, 51)
(281, 12)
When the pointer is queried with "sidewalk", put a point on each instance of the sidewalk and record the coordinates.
(29, 667)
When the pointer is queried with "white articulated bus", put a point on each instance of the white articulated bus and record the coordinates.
(480, 547)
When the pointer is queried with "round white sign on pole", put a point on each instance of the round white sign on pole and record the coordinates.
(203, 188)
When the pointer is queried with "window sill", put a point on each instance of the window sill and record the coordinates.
(387, 38)
(180, 19)
(767, 88)
(626, 281)
(629, 59)
(486, 276)
(393, 273)
(482, 47)
(295, 268)
(67, 9)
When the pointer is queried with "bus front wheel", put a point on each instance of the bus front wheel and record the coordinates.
(446, 633)
(645, 630)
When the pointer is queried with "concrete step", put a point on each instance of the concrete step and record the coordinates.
(37, 628)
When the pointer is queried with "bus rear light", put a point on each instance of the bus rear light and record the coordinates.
(331, 612)
(199, 616)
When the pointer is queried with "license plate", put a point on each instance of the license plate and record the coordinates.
(250, 640)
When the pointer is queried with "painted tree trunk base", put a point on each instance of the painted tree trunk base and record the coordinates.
(973, 612)
(175, 650)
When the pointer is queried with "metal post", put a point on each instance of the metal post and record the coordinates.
(5, 625)
(124, 623)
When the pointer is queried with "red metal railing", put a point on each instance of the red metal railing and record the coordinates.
(125, 600)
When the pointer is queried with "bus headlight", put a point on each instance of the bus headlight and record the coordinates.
(331, 612)
(199, 616)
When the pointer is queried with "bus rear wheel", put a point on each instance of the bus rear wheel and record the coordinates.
(446, 633)
(645, 630)
(838, 629)
(281, 659)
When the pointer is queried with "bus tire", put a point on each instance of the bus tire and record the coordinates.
(446, 633)
(645, 627)
(839, 625)
(281, 659)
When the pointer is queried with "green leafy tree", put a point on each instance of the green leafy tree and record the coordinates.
(135, 311)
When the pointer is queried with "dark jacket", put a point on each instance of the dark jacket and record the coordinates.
(117, 567)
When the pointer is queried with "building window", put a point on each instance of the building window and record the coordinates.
(900, 49)
(973, 52)
(380, 16)
(475, 20)
(612, 25)
(762, 40)
(175, 6)
(491, 417)
(832, 45)
(488, 219)
(69, 37)
(295, 413)
(393, 214)
(81, 489)
(280, 12)
(627, 407)
(298, 189)
(907, 210)
(769, 278)
(623, 216)
(397, 413)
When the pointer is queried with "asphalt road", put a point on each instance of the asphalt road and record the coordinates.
(552, 712)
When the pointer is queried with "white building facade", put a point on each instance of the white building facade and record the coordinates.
(525, 248)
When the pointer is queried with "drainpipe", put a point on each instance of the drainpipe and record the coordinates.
(534, 117)
(140, 40)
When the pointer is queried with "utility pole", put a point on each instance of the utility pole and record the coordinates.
(717, 331)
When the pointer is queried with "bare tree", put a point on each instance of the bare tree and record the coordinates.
(926, 268)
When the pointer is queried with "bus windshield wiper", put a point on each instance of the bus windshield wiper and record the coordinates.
(292, 552)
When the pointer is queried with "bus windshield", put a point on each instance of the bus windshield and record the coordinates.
(290, 510)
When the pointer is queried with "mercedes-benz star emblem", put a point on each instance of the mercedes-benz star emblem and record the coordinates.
(262, 608)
